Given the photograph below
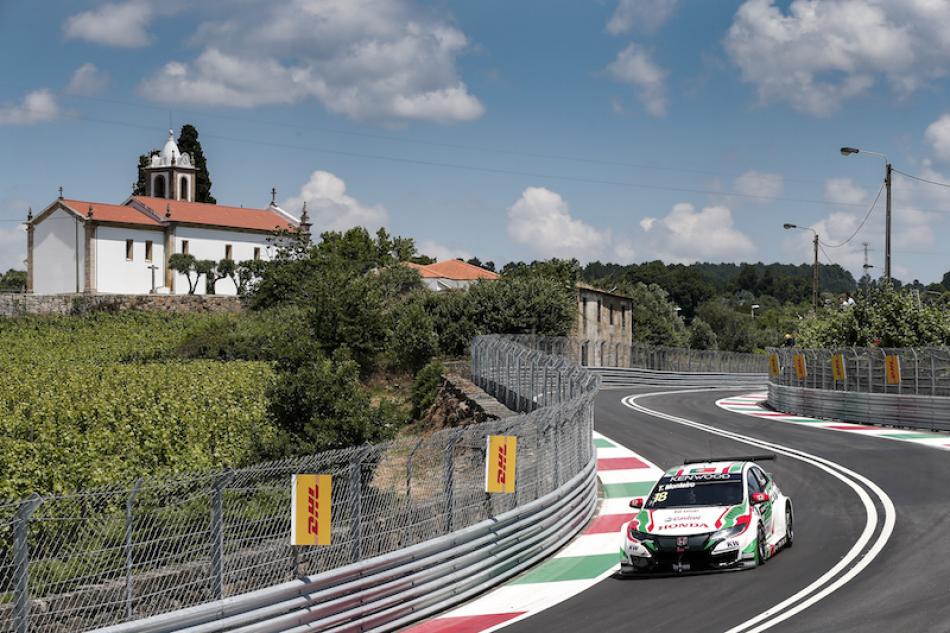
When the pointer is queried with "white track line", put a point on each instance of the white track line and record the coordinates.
(775, 614)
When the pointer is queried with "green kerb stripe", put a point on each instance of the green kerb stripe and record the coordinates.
(602, 443)
(911, 436)
(629, 489)
(570, 568)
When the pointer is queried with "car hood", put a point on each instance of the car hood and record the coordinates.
(687, 521)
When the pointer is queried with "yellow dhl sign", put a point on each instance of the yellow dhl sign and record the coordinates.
(775, 370)
(310, 521)
(892, 370)
(501, 459)
(838, 370)
(801, 370)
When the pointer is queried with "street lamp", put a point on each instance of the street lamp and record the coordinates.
(814, 281)
(847, 151)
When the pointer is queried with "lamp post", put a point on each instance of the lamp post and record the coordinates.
(847, 151)
(814, 280)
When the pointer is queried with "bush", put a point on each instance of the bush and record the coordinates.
(413, 342)
(701, 336)
(426, 387)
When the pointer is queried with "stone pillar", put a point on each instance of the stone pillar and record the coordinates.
(169, 249)
(89, 271)
(29, 251)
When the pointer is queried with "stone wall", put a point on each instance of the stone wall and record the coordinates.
(12, 305)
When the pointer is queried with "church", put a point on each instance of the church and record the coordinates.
(95, 247)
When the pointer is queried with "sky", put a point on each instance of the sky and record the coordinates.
(610, 130)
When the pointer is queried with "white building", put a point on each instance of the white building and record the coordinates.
(93, 247)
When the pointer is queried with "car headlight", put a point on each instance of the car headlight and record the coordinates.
(727, 533)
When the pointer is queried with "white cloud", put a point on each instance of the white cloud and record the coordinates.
(440, 251)
(541, 220)
(633, 66)
(686, 235)
(119, 24)
(36, 107)
(643, 15)
(760, 184)
(88, 81)
(844, 191)
(12, 248)
(331, 209)
(385, 60)
(818, 53)
(647, 224)
(938, 135)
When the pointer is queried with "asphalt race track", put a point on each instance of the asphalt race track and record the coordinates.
(905, 587)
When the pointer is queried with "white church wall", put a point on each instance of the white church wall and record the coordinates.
(115, 273)
(211, 244)
(58, 254)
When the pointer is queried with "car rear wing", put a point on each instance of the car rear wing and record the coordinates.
(740, 458)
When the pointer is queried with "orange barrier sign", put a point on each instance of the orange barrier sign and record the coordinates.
(310, 510)
(800, 369)
(775, 369)
(838, 370)
(892, 370)
(500, 461)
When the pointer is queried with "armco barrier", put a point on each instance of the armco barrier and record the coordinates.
(616, 377)
(907, 410)
(389, 591)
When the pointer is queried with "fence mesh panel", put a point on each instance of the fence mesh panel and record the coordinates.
(99, 557)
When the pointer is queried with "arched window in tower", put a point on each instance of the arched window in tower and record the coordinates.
(159, 189)
(183, 189)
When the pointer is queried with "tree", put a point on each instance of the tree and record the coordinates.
(413, 342)
(733, 329)
(701, 335)
(224, 268)
(13, 281)
(185, 265)
(247, 273)
(945, 282)
(206, 267)
(654, 319)
(188, 144)
(141, 183)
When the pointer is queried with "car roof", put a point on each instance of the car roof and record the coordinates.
(705, 467)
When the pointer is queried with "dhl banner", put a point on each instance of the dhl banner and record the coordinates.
(310, 510)
(775, 369)
(838, 371)
(800, 369)
(892, 370)
(500, 461)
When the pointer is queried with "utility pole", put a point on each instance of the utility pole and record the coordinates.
(814, 281)
(153, 268)
(887, 222)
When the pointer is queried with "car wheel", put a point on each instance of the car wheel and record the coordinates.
(789, 526)
(760, 546)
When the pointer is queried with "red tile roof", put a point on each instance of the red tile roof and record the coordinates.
(216, 214)
(454, 269)
(111, 213)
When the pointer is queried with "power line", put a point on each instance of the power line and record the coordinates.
(929, 182)
(860, 226)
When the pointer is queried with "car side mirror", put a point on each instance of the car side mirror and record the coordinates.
(636, 503)
(759, 497)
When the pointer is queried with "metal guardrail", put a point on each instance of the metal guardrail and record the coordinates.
(209, 543)
(900, 387)
(918, 412)
(614, 377)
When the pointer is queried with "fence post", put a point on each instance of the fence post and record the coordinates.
(129, 562)
(448, 476)
(356, 503)
(217, 534)
(21, 564)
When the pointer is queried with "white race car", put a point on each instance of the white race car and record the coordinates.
(722, 513)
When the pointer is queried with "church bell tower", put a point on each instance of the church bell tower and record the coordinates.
(170, 174)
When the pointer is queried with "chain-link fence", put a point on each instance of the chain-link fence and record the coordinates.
(592, 353)
(73, 562)
(909, 371)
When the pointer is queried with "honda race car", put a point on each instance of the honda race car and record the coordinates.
(723, 513)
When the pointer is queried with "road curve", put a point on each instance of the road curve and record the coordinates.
(906, 585)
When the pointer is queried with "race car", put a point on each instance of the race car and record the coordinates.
(709, 514)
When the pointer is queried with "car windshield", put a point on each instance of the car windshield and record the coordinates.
(697, 490)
